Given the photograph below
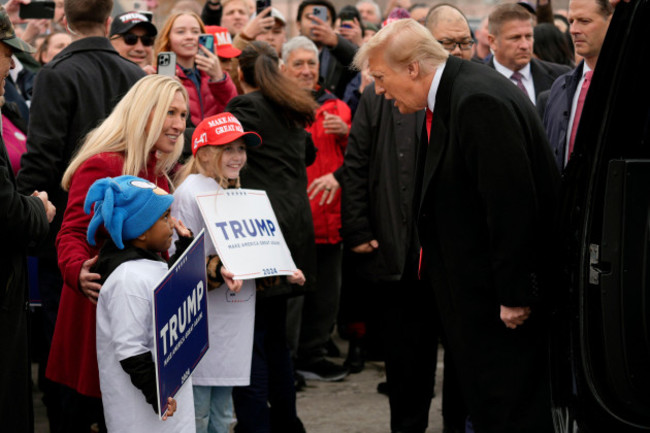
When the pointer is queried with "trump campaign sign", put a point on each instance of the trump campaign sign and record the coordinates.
(180, 315)
(246, 233)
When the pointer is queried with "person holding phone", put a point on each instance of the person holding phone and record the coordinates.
(133, 35)
(348, 25)
(208, 85)
(315, 20)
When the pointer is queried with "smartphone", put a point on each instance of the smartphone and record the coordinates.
(147, 14)
(320, 12)
(37, 10)
(260, 5)
(347, 18)
(207, 40)
(167, 63)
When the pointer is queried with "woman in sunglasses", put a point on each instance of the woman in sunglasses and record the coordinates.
(208, 85)
(132, 36)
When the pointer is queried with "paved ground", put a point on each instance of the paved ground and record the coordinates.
(350, 406)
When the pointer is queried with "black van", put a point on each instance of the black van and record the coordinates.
(601, 329)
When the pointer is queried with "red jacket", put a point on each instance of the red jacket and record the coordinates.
(329, 158)
(214, 95)
(73, 356)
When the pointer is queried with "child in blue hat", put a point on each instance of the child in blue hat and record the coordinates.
(135, 213)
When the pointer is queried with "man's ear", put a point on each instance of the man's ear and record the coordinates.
(107, 29)
(142, 237)
(491, 40)
(413, 69)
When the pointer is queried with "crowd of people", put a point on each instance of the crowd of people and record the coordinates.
(412, 163)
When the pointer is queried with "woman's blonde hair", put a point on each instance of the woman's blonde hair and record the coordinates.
(125, 130)
(206, 156)
(162, 41)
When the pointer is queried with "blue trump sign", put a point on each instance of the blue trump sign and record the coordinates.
(180, 314)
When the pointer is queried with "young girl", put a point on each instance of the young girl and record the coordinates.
(208, 86)
(219, 153)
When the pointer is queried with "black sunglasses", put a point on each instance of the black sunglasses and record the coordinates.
(131, 39)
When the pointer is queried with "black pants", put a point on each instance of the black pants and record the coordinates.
(320, 306)
(268, 404)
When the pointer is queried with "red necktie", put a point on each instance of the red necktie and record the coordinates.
(429, 120)
(581, 102)
(518, 80)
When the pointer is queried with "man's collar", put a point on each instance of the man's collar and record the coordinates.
(435, 83)
(525, 71)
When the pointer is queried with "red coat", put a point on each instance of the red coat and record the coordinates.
(215, 95)
(73, 356)
(329, 158)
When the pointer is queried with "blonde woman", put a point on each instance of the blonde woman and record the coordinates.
(143, 136)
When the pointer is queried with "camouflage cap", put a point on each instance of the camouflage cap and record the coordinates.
(8, 35)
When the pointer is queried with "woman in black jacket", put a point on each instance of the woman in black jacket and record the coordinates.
(278, 112)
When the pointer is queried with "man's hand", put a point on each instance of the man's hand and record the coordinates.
(326, 183)
(322, 32)
(86, 280)
(351, 30)
(514, 316)
(33, 29)
(366, 248)
(50, 209)
(13, 9)
(233, 285)
(333, 124)
(258, 25)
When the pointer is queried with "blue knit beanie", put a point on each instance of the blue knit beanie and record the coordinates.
(127, 206)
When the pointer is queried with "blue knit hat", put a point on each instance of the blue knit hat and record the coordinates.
(127, 206)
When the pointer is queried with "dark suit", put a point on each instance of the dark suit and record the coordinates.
(485, 197)
(544, 73)
(558, 112)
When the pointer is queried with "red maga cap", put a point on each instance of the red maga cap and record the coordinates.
(223, 42)
(220, 130)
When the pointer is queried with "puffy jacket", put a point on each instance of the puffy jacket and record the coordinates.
(329, 159)
(214, 95)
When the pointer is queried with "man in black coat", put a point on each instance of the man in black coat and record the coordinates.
(382, 254)
(511, 40)
(72, 95)
(590, 23)
(23, 220)
(484, 199)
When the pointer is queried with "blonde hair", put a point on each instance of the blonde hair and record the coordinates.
(401, 43)
(247, 5)
(125, 129)
(206, 156)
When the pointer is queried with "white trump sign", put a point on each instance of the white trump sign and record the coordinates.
(246, 233)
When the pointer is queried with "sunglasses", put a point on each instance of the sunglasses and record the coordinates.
(131, 39)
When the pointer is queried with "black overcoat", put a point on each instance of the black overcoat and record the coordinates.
(278, 167)
(485, 201)
(22, 222)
